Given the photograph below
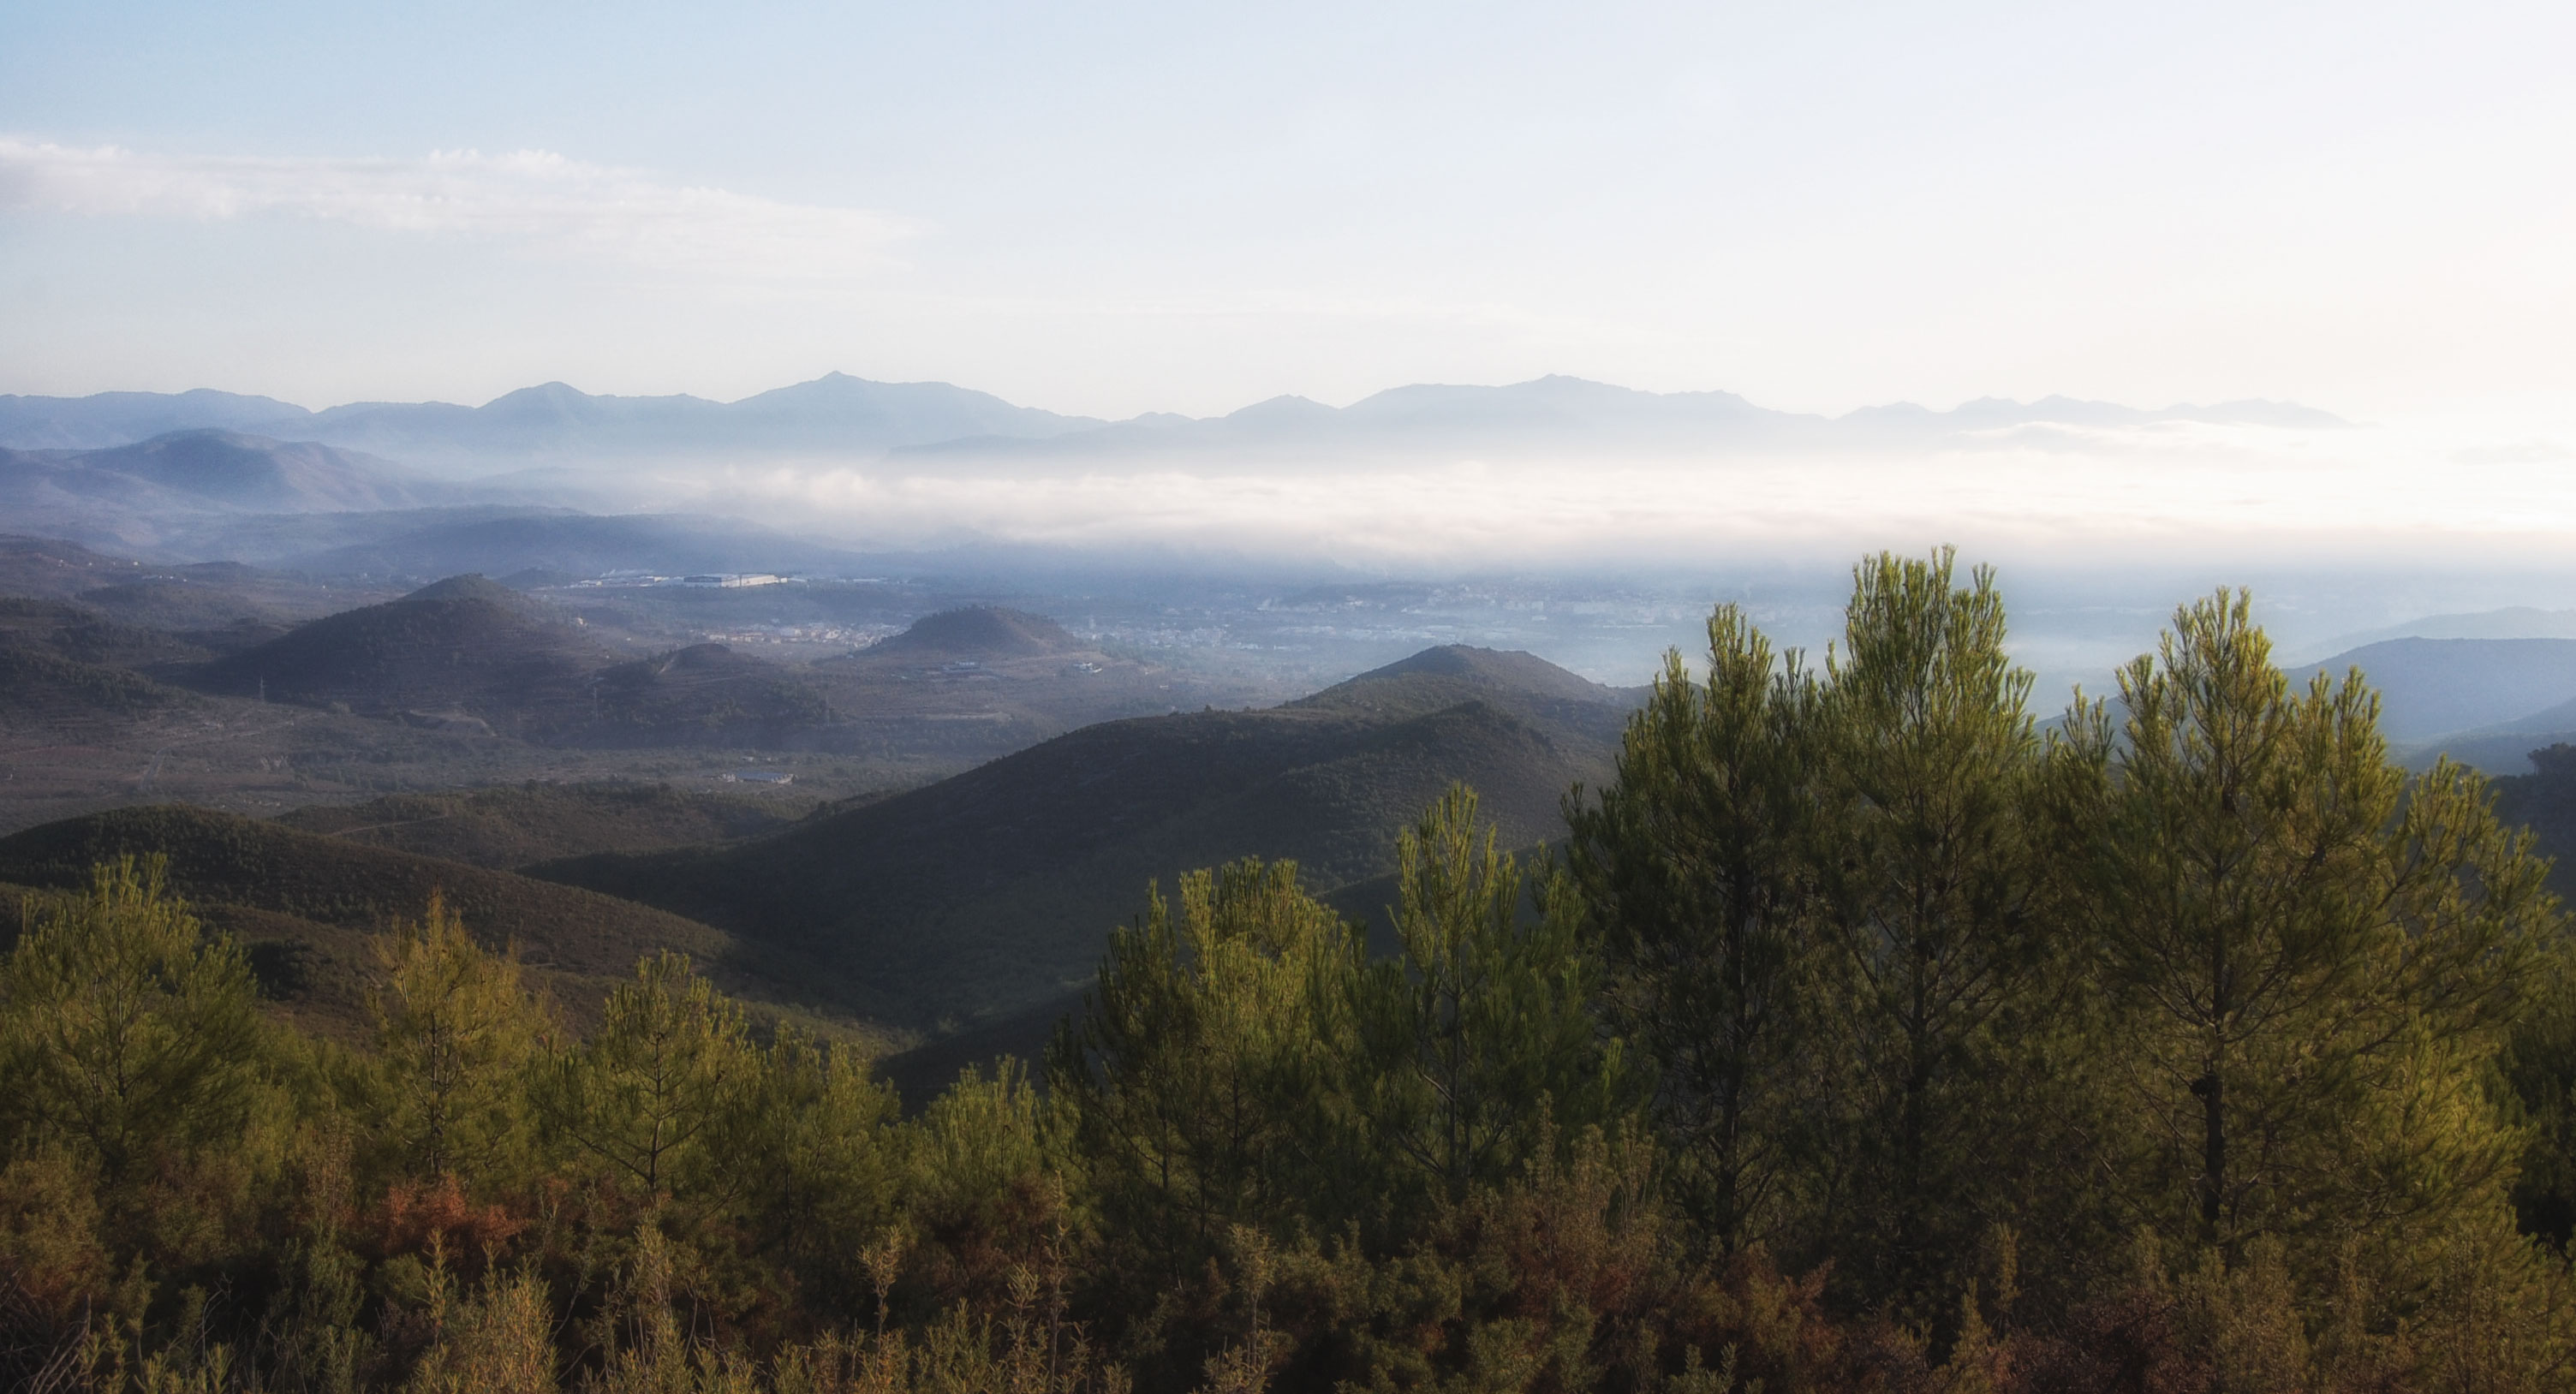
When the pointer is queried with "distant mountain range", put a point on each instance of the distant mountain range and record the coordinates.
(833, 414)
(842, 416)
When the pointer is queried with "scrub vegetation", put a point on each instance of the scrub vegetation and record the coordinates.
(1863, 1036)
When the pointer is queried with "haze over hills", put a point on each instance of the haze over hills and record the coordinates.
(121, 418)
(470, 653)
(1551, 414)
(833, 414)
(2508, 622)
(842, 416)
(994, 889)
(2436, 687)
(503, 542)
(159, 490)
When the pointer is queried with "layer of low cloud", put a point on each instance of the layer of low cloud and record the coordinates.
(2083, 497)
(533, 200)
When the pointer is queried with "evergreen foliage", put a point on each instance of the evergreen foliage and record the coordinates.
(1866, 1039)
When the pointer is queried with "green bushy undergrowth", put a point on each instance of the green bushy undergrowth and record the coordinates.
(1865, 1039)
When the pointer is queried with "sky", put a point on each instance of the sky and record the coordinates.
(1116, 208)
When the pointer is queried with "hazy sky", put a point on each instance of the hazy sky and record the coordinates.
(1111, 209)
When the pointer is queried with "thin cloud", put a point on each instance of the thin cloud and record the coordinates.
(532, 200)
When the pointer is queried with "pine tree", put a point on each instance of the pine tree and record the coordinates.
(1930, 879)
(2316, 963)
(127, 1034)
(1480, 1041)
(1197, 1072)
(656, 1083)
(1695, 862)
(456, 1037)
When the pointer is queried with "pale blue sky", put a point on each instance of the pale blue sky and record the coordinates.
(1111, 209)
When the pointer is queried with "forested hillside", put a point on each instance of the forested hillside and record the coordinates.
(307, 909)
(1863, 1036)
(989, 891)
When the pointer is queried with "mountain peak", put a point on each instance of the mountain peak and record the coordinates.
(980, 629)
(473, 585)
(1522, 684)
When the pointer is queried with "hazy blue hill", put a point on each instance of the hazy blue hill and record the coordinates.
(121, 418)
(2510, 622)
(45, 566)
(995, 888)
(837, 411)
(163, 494)
(2506, 747)
(258, 474)
(840, 415)
(1557, 413)
(835, 415)
(2434, 687)
(549, 418)
(1546, 413)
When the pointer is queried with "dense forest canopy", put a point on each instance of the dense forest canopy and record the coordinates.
(1865, 1035)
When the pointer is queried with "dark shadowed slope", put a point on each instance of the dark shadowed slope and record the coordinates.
(704, 694)
(277, 880)
(40, 688)
(470, 652)
(513, 826)
(922, 1071)
(1527, 686)
(463, 643)
(976, 632)
(996, 888)
(2544, 800)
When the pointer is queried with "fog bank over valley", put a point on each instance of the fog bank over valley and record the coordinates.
(1585, 521)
